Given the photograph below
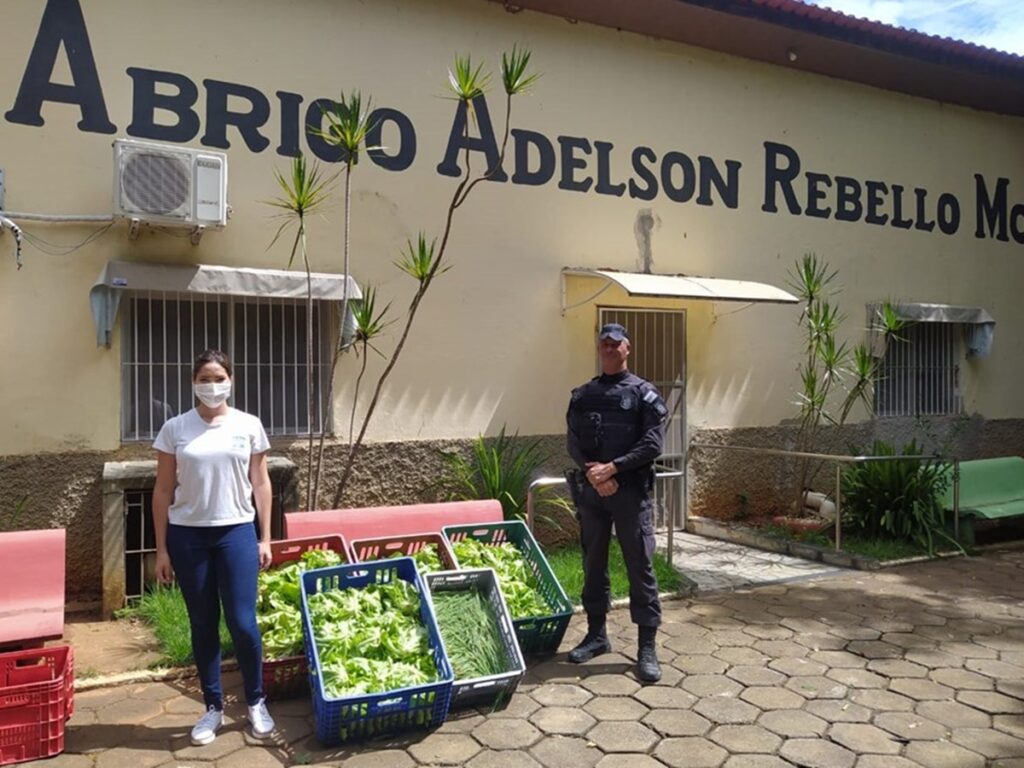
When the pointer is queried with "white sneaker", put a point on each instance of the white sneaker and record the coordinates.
(259, 717)
(205, 731)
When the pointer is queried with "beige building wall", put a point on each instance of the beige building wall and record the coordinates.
(491, 345)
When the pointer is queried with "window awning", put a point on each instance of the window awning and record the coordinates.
(942, 313)
(979, 325)
(120, 276)
(684, 286)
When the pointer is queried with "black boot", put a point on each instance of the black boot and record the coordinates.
(594, 644)
(648, 669)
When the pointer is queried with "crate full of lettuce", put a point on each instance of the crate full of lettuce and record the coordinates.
(478, 636)
(278, 609)
(430, 550)
(376, 661)
(539, 606)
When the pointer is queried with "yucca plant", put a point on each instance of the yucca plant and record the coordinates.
(423, 258)
(897, 500)
(304, 191)
(369, 324)
(834, 378)
(349, 122)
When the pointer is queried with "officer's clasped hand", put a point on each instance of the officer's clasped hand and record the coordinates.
(598, 472)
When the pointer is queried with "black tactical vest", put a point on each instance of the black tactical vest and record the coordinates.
(608, 418)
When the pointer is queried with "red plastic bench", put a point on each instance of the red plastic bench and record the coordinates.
(31, 586)
(377, 522)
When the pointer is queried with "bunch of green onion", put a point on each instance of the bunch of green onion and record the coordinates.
(469, 630)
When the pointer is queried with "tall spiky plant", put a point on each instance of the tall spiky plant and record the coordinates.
(349, 121)
(423, 259)
(830, 367)
(303, 192)
(369, 324)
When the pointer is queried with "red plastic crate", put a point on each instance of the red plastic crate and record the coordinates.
(284, 678)
(36, 697)
(406, 545)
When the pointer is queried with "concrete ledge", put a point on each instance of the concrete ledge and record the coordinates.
(750, 537)
(737, 534)
(156, 675)
(837, 558)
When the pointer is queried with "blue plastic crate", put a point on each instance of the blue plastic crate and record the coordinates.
(358, 717)
(536, 634)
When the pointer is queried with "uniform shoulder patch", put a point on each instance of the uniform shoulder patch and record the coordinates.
(650, 396)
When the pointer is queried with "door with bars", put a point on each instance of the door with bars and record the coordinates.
(658, 354)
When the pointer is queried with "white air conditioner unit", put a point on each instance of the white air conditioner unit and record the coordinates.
(170, 185)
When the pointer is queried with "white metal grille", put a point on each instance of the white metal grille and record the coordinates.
(265, 339)
(139, 542)
(920, 373)
(658, 354)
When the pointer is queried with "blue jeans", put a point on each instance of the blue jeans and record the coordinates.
(218, 566)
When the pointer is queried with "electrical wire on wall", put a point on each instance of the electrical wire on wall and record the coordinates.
(716, 315)
(37, 241)
(6, 223)
(55, 249)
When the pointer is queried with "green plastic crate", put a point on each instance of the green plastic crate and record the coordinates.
(536, 634)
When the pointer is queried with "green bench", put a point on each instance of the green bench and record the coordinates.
(991, 490)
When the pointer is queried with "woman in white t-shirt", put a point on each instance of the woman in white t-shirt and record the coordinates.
(211, 463)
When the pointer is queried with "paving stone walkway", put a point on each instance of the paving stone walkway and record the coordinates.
(921, 665)
(717, 566)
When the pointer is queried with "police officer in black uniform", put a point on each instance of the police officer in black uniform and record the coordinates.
(616, 425)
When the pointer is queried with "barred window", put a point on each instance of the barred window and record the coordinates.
(920, 373)
(265, 338)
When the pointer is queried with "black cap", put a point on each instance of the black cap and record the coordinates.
(613, 331)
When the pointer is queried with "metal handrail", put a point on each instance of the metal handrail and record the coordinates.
(542, 482)
(841, 459)
(808, 455)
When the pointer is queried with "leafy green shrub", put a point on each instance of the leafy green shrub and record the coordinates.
(898, 500)
(499, 468)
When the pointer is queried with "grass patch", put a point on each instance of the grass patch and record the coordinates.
(567, 563)
(881, 549)
(855, 544)
(163, 609)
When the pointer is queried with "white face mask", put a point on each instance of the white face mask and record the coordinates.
(212, 394)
